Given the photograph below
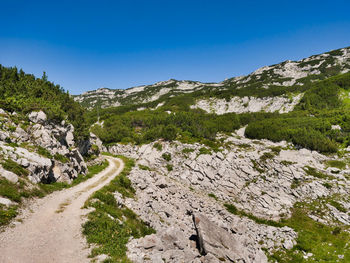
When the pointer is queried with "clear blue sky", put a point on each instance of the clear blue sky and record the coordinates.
(84, 45)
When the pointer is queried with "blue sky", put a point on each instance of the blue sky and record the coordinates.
(84, 45)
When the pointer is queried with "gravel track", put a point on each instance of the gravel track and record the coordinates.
(49, 229)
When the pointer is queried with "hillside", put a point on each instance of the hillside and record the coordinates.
(261, 160)
(43, 137)
(281, 81)
(253, 169)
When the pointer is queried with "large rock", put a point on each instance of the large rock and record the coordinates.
(6, 202)
(37, 117)
(218, 242)
(10, 176)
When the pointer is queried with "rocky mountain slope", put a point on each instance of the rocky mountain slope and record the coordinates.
(236, 203)
(252, 169)
(38, 150)
(241, 94)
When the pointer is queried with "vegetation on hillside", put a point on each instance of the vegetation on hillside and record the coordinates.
(325, 243)
(23, 93)
(111, 225)
(309, 125)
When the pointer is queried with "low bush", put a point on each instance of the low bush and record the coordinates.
(166, 156)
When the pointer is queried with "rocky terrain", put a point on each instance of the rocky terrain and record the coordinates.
(182, 188)
(201, 190)
(249, 104)
(37, 149)
(285, 74)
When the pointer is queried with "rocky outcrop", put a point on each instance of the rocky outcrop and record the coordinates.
(45, 149)
(92, 146)
(248, 173)
(249, 104)
(9, 176)
(167, 205)
(261, 178)
(214, 242)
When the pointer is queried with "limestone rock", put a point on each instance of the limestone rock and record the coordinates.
(37, 117)
(218, 242)
(10, 176)
(6, 202)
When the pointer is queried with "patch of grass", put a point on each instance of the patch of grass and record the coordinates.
(144, 167)
(276, 149)
(327, 185)
(296, 183)
(187, 150)
(28, 146)
(257, 167)
(9, 190)
(266, 156)
(14, 192)
(14, 167)
(325, 242)
(286, 163)
(315, 173)
(166, 156)
(169, 167)
(213, 196)
(6, 214)
(44, 152)
(204, 150)
(61, 158)
(336, 163)
(244, 146)
(338, 206)
(12, 144)
(158, 146)
(234, 210)
(110, 226)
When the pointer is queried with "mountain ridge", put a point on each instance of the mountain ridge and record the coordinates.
(285, 74)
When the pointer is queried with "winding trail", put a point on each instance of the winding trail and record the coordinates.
(51, 227)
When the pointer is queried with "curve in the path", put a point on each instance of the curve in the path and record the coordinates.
(51, 228)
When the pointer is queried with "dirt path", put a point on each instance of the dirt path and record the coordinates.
(51, 227)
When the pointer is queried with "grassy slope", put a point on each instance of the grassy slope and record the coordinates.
(111, 225)
(325, 242)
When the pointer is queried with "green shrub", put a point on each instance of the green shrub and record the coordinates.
(336, 163)
(266, 156)
(166, 156)
(158, 146)
(44, 152)
(169, 132)
(169, 167)
(315, 173)
(204, 150)
(144, 167)
(61, 158)
(213, 196)
(187, 150)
